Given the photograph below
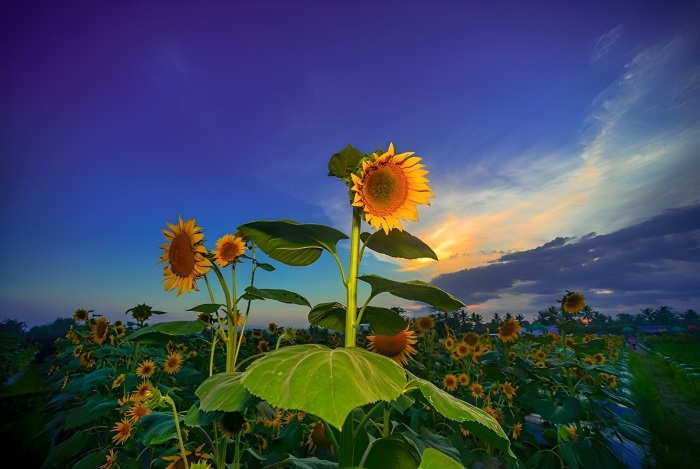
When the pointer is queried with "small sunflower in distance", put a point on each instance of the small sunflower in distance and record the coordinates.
(173, 363)
(146, 369)
(81, 315)
(449, 382)
(425, 323)
(573, 302)
(509, 330)
(397, 347)
(229, 249)
(388, 188)
(184, 255)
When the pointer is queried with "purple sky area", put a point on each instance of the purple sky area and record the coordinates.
(562, 140)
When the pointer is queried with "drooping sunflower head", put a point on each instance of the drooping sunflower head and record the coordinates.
(184, 255)
(397, 347)
(425, 323)
(229, 249)
(231, 423)
(573, 302)
(509, 330)
(81, 315)
(388, 188)
(98, 330)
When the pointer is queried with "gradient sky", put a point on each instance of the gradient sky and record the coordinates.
(562, 140)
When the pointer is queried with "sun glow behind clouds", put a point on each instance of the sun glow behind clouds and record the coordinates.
(513, 204)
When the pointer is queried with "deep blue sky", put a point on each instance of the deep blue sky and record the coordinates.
(540, 123)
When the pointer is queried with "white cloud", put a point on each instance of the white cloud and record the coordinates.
(605, 42)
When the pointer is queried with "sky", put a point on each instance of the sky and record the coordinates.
(562, 140)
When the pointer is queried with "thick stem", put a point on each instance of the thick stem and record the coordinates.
(351, 314)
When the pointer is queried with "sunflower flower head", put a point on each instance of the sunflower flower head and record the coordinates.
(184, 256)
(449, 382)
(173, 363)
(388, 188)
(509, 330)
(123, 431)
(318, 438)
(81, 315)
(146, 368)
(425, 323)
(398, 347)
(573, 302)
(229, 249)
(98, 330)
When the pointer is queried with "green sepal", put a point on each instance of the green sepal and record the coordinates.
(345, 162)
(414, 290)
(398, 244)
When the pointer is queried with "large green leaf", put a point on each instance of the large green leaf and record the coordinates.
(60, 454)
(324, 382)
(95, 407)
(434, 459)
(328, 315)
(224, 391)
(428, 439)
(476, 420)
(209, 308)
(561, 410)
(91, 460)
(393, 452)
(165, 331)
(343, 163)
(89, 382)
(383, 321)
(398, 244)
(291, 242)
(414, 290)
(283, 296)
(158, 427)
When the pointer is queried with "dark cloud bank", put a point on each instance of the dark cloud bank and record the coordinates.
(654, 263)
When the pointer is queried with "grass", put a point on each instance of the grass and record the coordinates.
(672, 445)
(687, 384)
(688, 353)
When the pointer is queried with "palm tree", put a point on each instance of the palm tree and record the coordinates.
(520, 318)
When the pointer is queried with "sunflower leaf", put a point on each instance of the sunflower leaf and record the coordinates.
(393, 452)
(398, 244)
(383, 321)
(434, 459)
(292, 243)
(224, 391)
(208, 308)
(476, 420)
(344, 163)
(414, 290)
(283, 296)
(324, 382)
(166, 331)
(328, 315)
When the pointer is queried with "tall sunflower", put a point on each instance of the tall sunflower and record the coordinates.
(98, 330)
(397, 347)
(229, 249)
(573, 302)
(389, 187)
(509, 330)
(184, 255)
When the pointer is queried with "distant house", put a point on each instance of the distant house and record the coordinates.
(653, 328)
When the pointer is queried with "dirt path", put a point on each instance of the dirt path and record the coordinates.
(687, 413)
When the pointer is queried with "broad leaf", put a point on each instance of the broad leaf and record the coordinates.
(324, 382)
(568, 410)
(290, 242)
(476, 420)
(283, 296)
(428, 439)
(398, 244)
(158, 427)
(328, 315)
(393, 452)
(89, 382)
(224, 391)
(343, 163)
(95, 407)
(209, 308)
(166, 331)
(434, 459)
(383, 321)
(414, 290)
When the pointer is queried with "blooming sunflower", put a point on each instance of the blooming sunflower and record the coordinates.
(80, 315)
(477, 390)
(118, 381)
(599, 358)
(509, 330)
(389, 187)
(173, 363)
(397, 347)
(184, 255)
(318, 438)
(509, 390)
(495, 413)
(425, 323)
(123, 431)
(573, 302)
(137, 411)
(450, 382)
(109, 460)
(463, 379)
(146, 369)
(143, 390)
(98, 330)
(471, 338)
(229, 249)
(192, 458)
(264, 346)
(231, 423)
(517, 429)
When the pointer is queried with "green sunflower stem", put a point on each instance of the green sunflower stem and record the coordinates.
(169, 400)
(347, 443)
(351, 312)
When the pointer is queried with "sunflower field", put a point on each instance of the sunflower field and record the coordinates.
(361, 386)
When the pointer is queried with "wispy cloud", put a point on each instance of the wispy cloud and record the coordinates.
(605, 42)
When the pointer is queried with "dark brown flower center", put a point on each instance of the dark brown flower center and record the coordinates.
(182, 255)
(385, 189)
